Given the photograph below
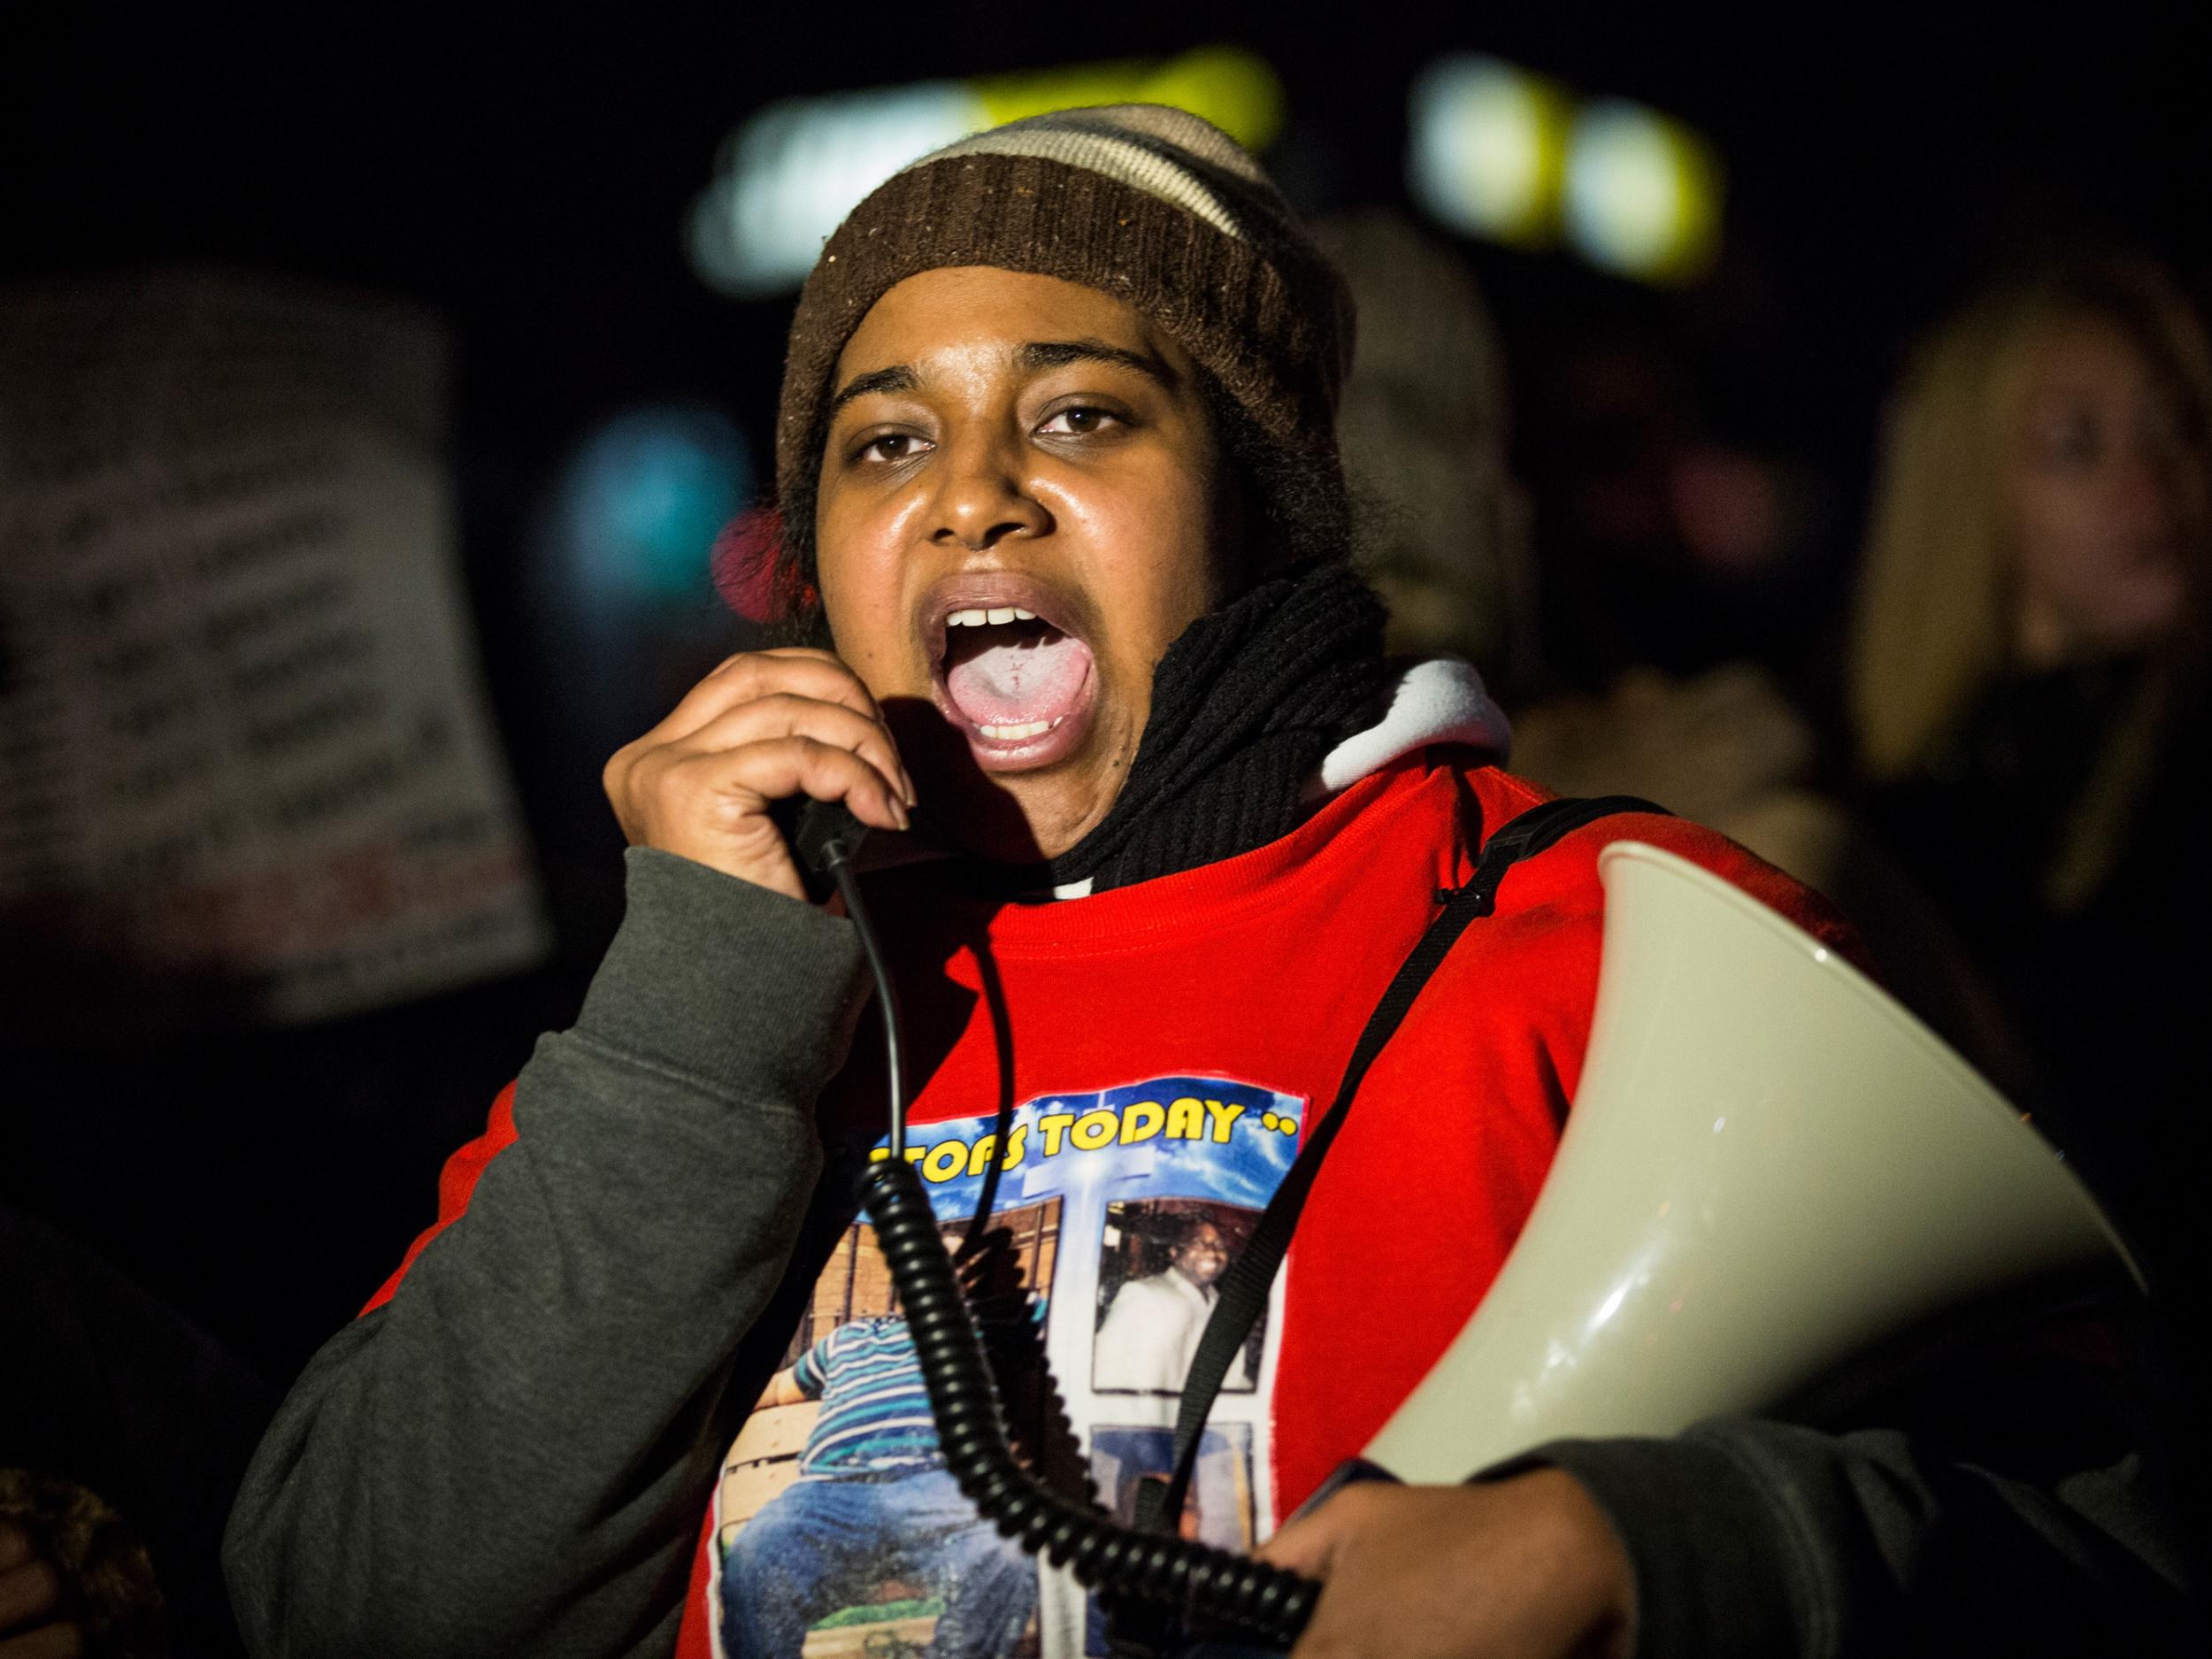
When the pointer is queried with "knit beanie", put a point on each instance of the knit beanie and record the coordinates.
(1150, 204)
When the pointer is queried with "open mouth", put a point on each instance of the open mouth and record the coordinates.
(1013, 677)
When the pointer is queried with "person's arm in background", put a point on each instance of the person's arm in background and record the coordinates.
(111, 1394)
(785, 1388)
(512, 1454)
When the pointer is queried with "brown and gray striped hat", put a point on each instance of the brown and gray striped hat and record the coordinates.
(1148, 203)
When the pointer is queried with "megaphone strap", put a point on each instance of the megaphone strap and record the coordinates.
(1244, 1286)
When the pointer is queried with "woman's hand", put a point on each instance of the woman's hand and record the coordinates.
(1525, 1568)
(32, 1622)
(763, 726)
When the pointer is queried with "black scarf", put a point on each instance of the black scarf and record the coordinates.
(1244, 705)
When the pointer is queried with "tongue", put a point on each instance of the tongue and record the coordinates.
(1019, 682)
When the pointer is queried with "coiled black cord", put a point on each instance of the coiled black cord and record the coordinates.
(1205, 1585)
(1208, 1589)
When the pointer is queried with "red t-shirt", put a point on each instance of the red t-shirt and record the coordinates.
(1162, 1044)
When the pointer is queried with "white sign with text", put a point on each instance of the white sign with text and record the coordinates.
(246, 766)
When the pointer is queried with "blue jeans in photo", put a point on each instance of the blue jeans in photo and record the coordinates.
(826, 1543)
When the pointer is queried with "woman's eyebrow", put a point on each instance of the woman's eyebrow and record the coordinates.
(897, 378)
(1054, 354)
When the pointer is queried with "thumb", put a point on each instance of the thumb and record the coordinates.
(1310, 1543)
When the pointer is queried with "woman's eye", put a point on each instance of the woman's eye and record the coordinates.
(891, 446)
(2072, 442)
(1078, 422)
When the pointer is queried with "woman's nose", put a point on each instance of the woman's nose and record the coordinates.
(982, 499)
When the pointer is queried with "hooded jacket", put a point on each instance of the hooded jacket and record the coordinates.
(535, 1438)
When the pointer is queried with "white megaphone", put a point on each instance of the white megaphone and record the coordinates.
(1771, 1167)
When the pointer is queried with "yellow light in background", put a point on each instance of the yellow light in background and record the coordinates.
(1003, 98)
(1643, 194)
(792, 172)
(1488, 149)
(1499, 153)
(1234, 89)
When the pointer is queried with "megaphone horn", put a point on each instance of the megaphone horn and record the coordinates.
(1770, 1167)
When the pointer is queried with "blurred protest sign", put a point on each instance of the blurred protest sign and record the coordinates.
(246, 768)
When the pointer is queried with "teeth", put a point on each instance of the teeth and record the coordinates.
(995, 615)
(1014, 734)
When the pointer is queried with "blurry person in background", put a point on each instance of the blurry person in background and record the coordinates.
(1447, 539)
(2026, 687)
(124, 1429)
(1426, 430)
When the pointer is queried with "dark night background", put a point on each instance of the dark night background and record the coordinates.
(527, 183)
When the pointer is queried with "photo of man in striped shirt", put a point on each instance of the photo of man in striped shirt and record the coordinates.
(873, 1506)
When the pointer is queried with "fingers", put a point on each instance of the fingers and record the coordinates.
(786, 714)
(1308, 1543)
(59, 1640)
(720, 788)
(31, 1626)
(799, 671)
(745, 701)
(712, 807)
(30, 1595)
(763, 727)
(1525, 1568)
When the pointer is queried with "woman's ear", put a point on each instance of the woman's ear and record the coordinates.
(747, 563)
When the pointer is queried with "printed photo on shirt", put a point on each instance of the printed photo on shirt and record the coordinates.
(839, 1534)
(1159, 1269)
(1217, 1510)
(842, 1534)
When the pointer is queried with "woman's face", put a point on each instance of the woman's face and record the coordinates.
(2108, 499)
(1017, 516)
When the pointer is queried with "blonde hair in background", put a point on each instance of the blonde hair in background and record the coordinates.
(1938, 602)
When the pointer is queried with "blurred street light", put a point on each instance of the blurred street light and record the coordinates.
(1499, 153)
(1488, 145)
(1642, 194)
(641, 504)
(789, 175)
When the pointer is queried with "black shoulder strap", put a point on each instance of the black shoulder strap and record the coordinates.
(1245, 1285)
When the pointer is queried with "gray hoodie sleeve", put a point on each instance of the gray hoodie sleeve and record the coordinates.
(513, 1454)
(1749, 1538)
